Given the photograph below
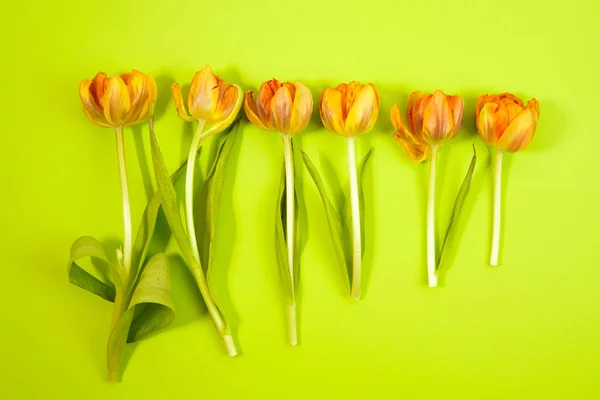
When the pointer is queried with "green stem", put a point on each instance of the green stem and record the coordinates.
(355, 205)
(127, 233)
(189, 189)
(431, 273)
(290, 226)
(495, 252)
(213, 310)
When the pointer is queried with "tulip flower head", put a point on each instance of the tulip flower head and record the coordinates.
(503, 121)
(121, 100)
(432, 119)
(283, 107)
(211, 99)
(349, 109)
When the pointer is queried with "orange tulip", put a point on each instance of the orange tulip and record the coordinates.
(282, 107)
(432, 118)
(504, 122)
(121, 100)
(211, 99)
(349, 109)
(415, 147)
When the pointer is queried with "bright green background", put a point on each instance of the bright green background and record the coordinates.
(527, 330)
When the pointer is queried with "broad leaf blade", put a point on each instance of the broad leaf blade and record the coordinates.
(146, 229)
(151, 309)
(103, 286)
(458, 205)
(169, 203)
(334, 222)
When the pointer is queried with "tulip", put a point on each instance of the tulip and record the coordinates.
(504, 122)
(214, 101)
(351, 110)
(281, 107)
(433, 119)
(121, 100)
(285, 108)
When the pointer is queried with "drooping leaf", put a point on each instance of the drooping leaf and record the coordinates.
(146, 229)
(458, 205)
(103, 285)
(334, 221)
(150, 309)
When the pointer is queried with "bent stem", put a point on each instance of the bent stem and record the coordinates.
(354, 203)
(431, 275)
(189, 188)
(289, 240)
(127, 233)
(497, 206)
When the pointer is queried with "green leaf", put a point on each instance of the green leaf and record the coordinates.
(169, 203)
(103, 285)
(146, 229)
(211, 194)
(150, 309)
(334, 221)
(361, 201)
(458, 205)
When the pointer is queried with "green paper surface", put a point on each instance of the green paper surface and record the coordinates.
(529, 329)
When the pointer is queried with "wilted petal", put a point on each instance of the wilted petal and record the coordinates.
(363, 113)
(252, 112)
(178, 99)
(417, 152)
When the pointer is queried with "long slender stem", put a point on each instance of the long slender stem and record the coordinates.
(497, 208)
(213, 310)
(355, 205)
(189, 189)
(127, 233)
(431, 258)
(290, 226)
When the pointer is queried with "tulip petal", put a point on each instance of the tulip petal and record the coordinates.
(330, 109)
(226, 103)
(204, 94)
(281, 110)
(410, 108)
(252, 112)
(457, 105)
(98, 86)
(115, 101)
(438, 122)
(398, 122)
(138, 90)
(417, 114)
(416, 152)
(263, 100)
(178, 99)
(486, 123)
(302, 108)
(519, 132)
(479, 104)
(363, 113)
(152, 93)
(91, 109)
